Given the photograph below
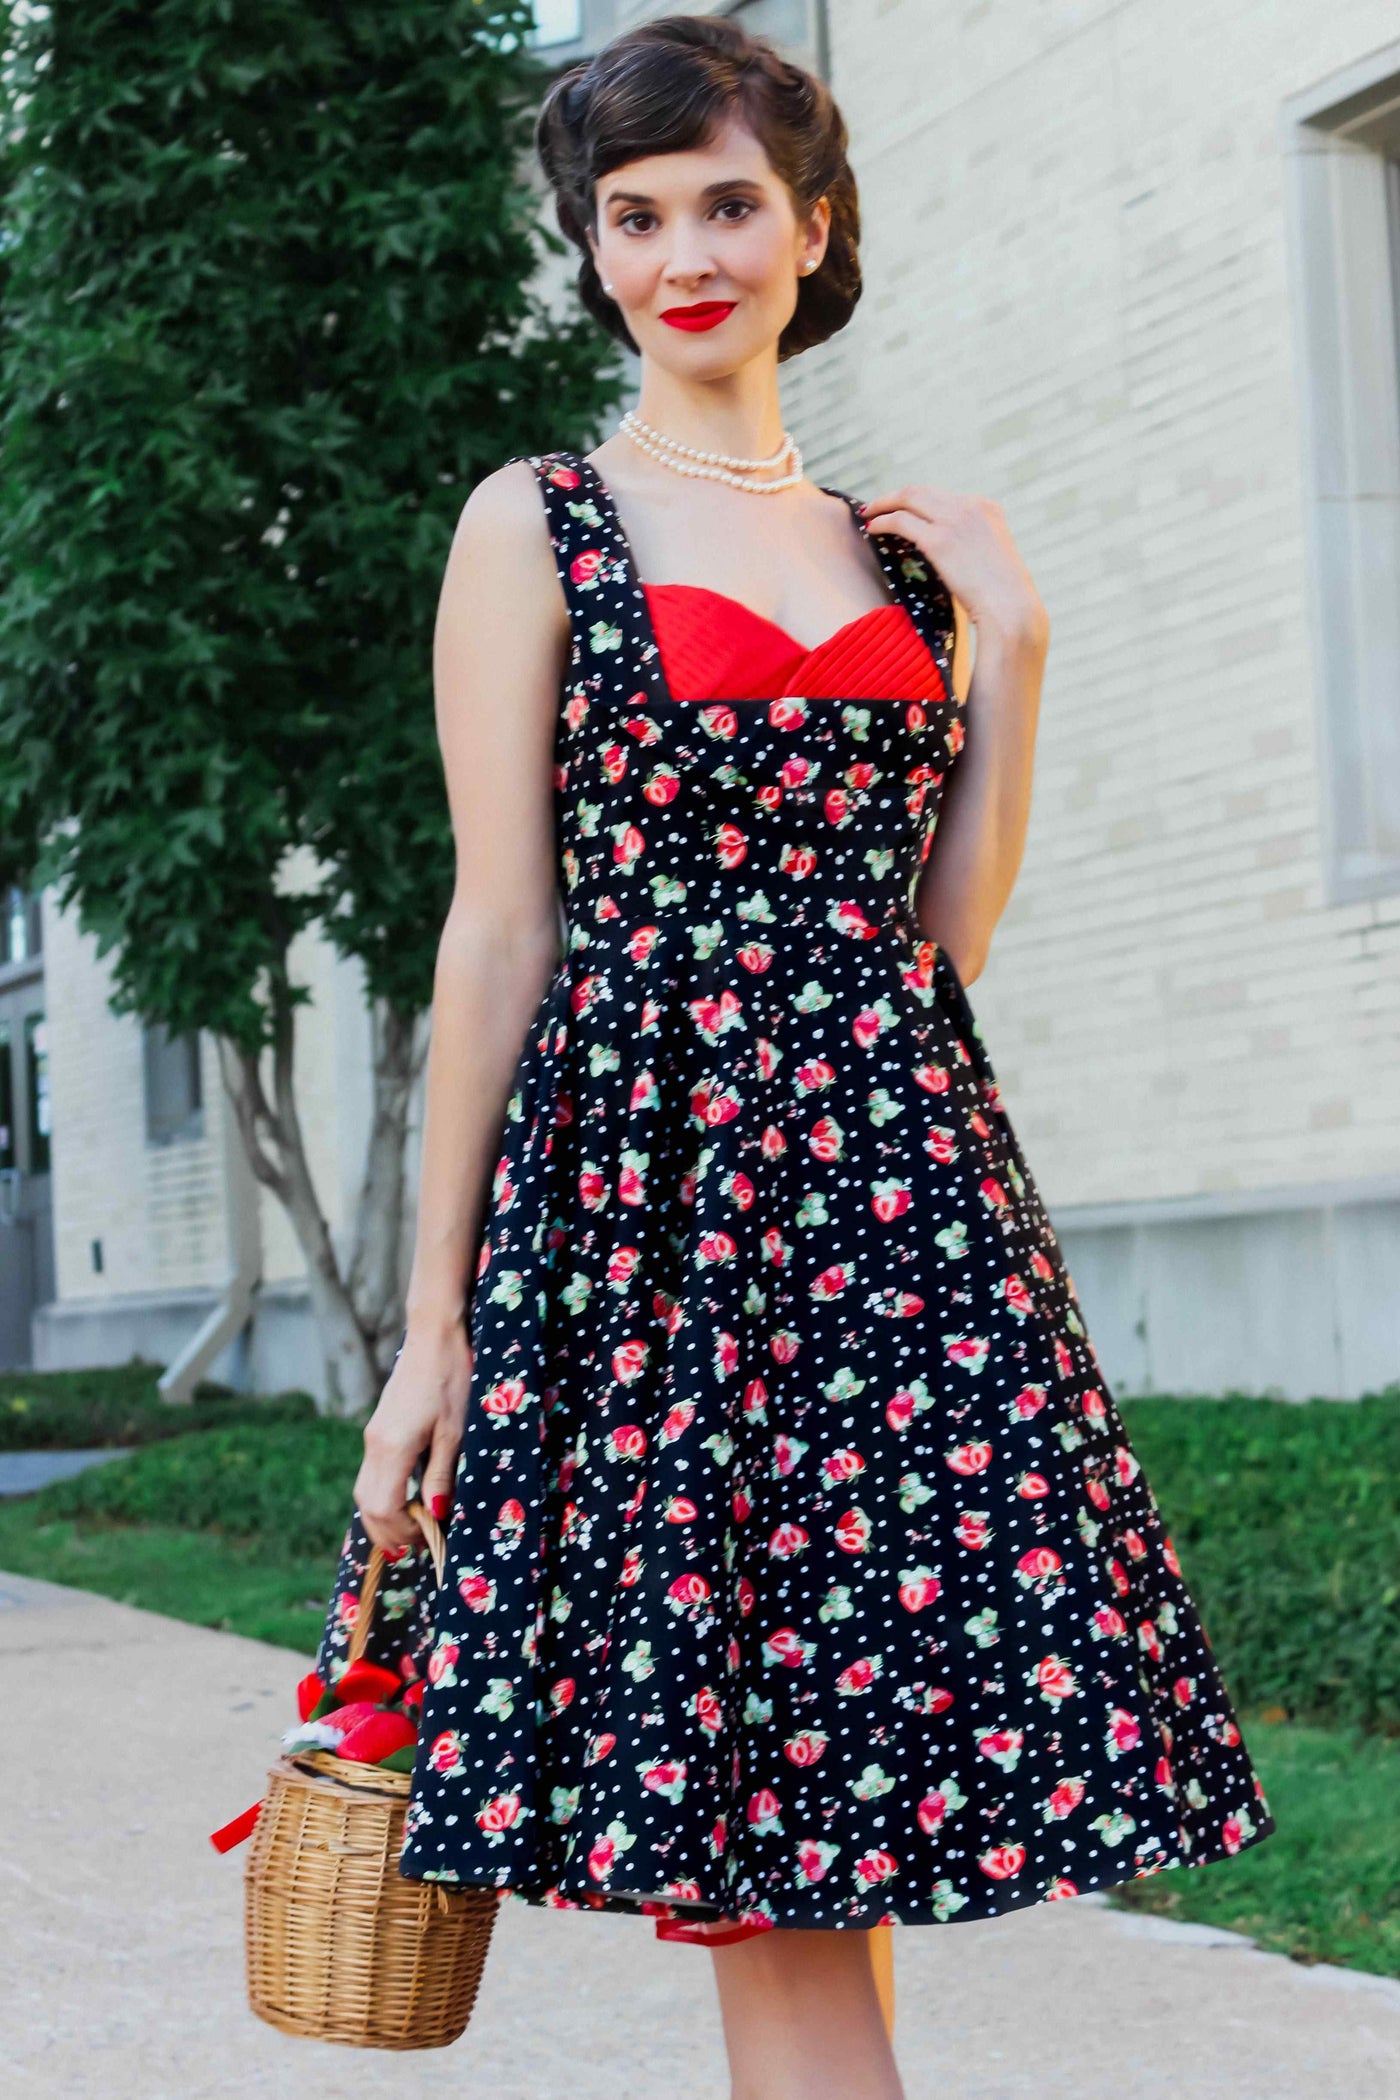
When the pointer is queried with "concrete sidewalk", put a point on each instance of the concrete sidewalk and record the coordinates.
(23, 1472)
(128, 1737)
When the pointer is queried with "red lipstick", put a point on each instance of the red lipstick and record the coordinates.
(706, 313)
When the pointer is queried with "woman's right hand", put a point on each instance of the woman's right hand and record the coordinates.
(421, 1410)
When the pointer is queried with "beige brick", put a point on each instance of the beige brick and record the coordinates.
(1108, 347)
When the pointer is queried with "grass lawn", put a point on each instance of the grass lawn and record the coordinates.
(236, 1585)
(1286, 1518)
(237, 1527)
(1326, 1885)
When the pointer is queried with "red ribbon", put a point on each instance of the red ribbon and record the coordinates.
(672, 1929)
(234, 1833)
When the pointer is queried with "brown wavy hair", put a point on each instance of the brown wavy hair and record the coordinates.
(663, 88)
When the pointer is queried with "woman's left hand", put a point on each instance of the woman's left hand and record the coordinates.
(969, 542)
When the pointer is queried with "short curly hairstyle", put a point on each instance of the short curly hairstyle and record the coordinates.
(663, 88)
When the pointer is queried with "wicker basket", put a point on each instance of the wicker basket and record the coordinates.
(341, 1946)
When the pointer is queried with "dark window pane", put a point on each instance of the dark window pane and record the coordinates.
(14, 927)
(36, 1050)
(20, 924)
(7, 1103)
(174, 1104)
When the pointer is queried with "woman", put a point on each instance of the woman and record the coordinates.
(801, 1577)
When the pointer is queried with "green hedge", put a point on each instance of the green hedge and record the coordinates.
(78, 1410)
(1286, 1518)
(285, 1484)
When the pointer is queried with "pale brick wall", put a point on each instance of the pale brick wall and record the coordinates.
(160, 1209)
(157, 1209)
(1077, 302)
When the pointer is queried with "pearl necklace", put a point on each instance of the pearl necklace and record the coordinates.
(712, 466)
(632, 421)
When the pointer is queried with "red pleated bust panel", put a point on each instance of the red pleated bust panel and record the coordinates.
(714, 648)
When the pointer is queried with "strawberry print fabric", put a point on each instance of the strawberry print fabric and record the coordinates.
(800, 1571)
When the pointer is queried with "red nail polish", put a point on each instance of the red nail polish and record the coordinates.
(439, 1507)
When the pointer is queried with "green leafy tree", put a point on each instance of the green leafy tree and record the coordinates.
(271, 307)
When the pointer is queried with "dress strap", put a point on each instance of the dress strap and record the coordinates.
(613, 641)
(917, 586)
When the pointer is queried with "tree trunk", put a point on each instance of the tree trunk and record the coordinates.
(357, 1316)
(375, 1279)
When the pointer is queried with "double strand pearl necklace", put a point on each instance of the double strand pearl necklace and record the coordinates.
(713, 466)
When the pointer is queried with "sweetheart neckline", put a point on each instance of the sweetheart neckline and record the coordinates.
(885, 555)
(703, 590)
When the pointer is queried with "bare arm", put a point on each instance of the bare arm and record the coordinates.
(980, 835)
(498, 655)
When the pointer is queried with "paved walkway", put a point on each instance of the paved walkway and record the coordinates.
(22, 1472)
(128, 1737)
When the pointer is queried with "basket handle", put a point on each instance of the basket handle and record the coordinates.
(378, 1560)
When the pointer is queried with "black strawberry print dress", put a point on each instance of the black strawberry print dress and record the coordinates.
(800, 1571)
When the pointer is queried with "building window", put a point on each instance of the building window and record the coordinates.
(20, 925)
(797, 27)
(174, 1099)
(36, 1072)
(8, 1156)
(1343, 145)
(557, 22)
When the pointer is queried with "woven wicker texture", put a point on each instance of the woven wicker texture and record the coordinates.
(339, 1945)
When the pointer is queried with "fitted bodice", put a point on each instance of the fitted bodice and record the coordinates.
(796, 801)
(745, 816)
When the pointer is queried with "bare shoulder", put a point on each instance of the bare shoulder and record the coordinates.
(501, 555)
(502, 623)
(505, 508)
